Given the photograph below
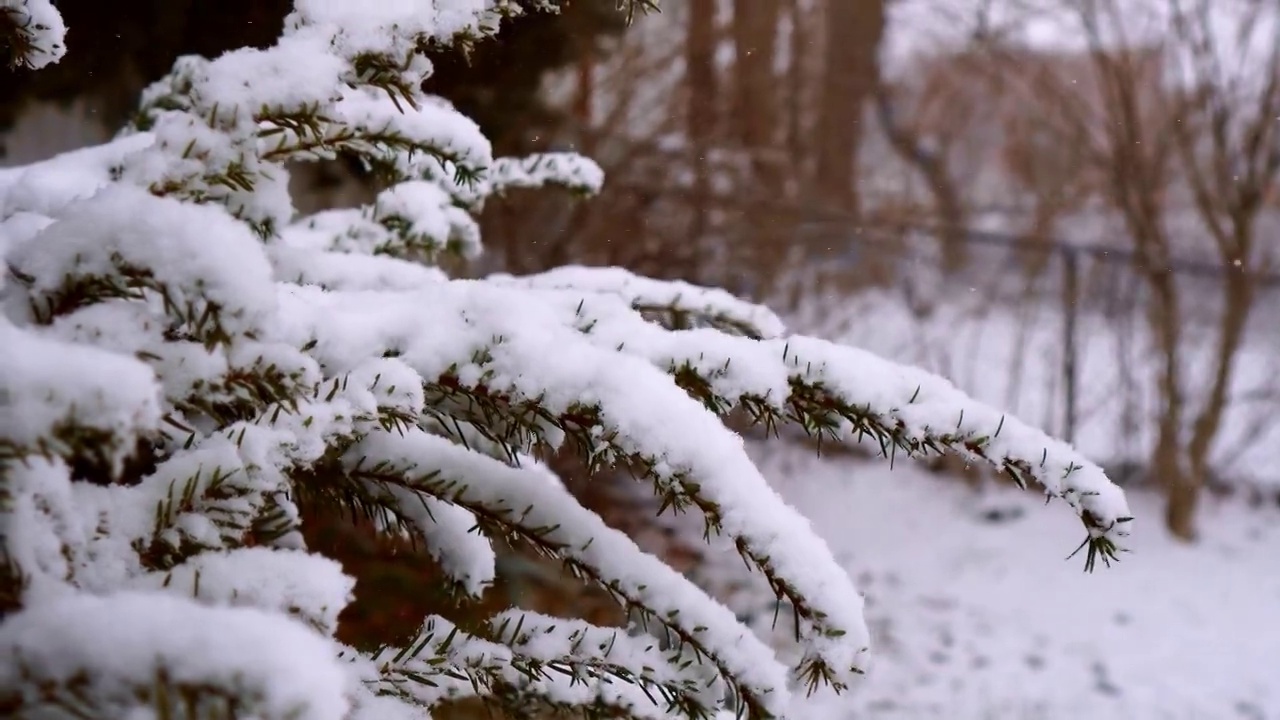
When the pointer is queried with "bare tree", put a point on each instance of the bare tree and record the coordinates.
(1148, 137)
(1229, 147)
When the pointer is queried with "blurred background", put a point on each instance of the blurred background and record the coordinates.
(1069, 208)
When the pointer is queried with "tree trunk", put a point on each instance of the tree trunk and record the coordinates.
(700, 49)
(755, 97)
(1170, 471)
(584, 101)
(1182, 499)
(757, 101)
(798, 140)
(854, 30)
(702, 119)
(1237, 302)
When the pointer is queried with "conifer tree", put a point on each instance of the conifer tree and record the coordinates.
(186, 363)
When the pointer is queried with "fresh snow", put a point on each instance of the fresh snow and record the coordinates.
(656, 295)
(311, 587)
(976, 615)
(277, 666)
(50, 386)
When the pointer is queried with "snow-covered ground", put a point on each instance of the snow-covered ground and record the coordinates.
(975, 618)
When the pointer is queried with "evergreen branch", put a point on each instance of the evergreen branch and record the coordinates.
(634, 7)
(673, 304)
(515, 423)
(827, 417)
(164, 697)
(217, 494)
(421, 247)
(381, 71)
(326, 487)
(244, 393)
(93, 452)
(62, 659)
(192, 316)
(673, 316)
(363, 141)
(214, 496)
(27, 41)
(664, 672)
(388, 229)
(14, 581)
(18, 39)
(524, 512)
(570, 171)
(93, 408)
(353, 405)
(843, 394)
(443, 662)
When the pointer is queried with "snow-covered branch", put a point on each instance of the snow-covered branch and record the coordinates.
(677, 304)
(508, 503)
(32, 33)
(842, 394)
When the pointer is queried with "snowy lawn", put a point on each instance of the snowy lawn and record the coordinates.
(979, 619)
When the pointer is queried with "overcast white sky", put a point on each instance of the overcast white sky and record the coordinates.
(934, 25)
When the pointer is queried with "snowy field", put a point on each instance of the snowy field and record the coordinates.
(980, 619)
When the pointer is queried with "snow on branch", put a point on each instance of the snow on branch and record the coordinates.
(46, 188)
(842, 393)
(672, 673)
(420, 216)
(335, 270)
(557, 677)
(169, 655)
(532, 379)
(680, 305)
(567, 170)
(61, 400)
(509, 503)
(124, 241)
(309, 587)
(32, 33)
(190, 370)
(451, 533)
